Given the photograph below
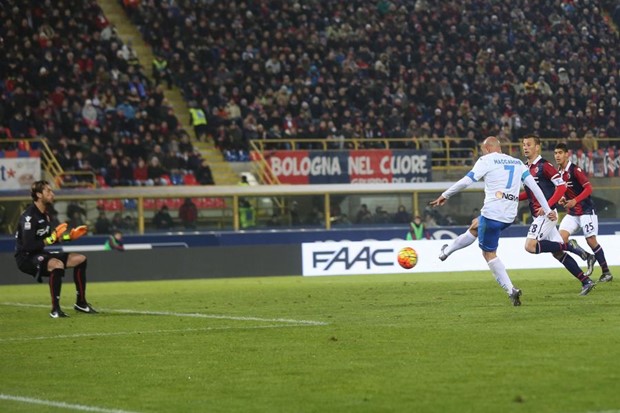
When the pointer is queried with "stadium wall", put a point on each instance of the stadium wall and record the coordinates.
(177, 263)
(309, 259)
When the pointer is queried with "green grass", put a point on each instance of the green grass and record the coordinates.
(401, 343)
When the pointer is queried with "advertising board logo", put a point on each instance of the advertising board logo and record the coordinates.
(347, 257)
(6, 173)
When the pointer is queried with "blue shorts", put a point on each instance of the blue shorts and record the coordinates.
(488, 233)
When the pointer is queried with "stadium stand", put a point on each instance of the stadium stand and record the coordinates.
(66, 76)
(341, 69)
(315, 69)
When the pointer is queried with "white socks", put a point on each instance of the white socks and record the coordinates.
(499, 271)
(462, 241)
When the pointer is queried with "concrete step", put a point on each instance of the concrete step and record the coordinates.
(223, 174)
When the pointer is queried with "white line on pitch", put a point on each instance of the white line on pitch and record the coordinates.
(127, 333)
(603, 411)
(224, 317)
(194, 315)
(61, 405)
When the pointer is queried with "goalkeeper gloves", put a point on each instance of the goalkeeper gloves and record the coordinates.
(56, 234)
(75, 233)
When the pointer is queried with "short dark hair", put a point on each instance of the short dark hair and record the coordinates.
(37, 188)
(533, 136)
(562, 146)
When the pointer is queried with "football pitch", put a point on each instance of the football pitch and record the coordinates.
(386, 343)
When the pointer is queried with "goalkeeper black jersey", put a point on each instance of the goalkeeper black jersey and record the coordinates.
(34, 226)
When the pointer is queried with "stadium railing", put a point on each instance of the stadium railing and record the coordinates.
(447, 152)
(221, 207)
(279, 206)
(276, 207)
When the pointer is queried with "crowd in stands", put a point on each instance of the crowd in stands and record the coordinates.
(106, 225)
(410, 69)
(330, 70)
(66, 76)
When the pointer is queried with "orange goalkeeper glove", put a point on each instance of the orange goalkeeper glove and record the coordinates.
(75, 233)
(56, 234)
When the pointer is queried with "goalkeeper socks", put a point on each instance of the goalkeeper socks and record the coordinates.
(572, 266)
(501, 276)
(55, 286)
(600, 257)
(462, 241)
(79, 277)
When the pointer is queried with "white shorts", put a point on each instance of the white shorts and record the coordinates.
(587, 223)
(544, 229)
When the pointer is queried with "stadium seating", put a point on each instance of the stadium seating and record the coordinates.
(283, 70)
(76, 84)
(398, 69)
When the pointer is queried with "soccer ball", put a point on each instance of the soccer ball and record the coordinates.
(407, 258)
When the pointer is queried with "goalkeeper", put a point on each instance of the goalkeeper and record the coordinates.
(33, 234)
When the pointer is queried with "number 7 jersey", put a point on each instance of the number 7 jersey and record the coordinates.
(502, 175)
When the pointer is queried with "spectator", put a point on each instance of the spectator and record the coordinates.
(381, 216)
(129, 223)
(156, 172)
(294, 214)
(141, 173)
(612, 130)
(76, 215)
(417, 230)
(315, 217)
(89, 115)
(126, 172)
(96, 161)
(203, 174)
(188, 214)
(163, 219)
(364, 216)
(103, 224)
(429, 220)
(402, 216)
(589, 142)
(573, 142)
(114, 242)
(19, 127)
(247, 216)
(161, 71)
(113, 173)
(198, 119)
(244, 181)
(117, 223)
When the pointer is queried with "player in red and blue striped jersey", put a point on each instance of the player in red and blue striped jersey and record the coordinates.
(543, 234)
(579, 207)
